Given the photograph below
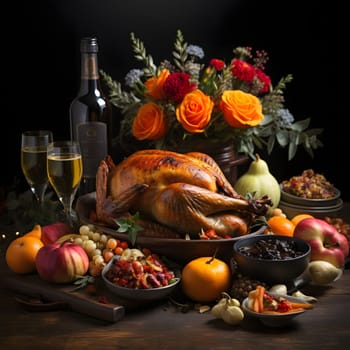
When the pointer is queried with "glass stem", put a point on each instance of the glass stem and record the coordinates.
(39, 192)
(67, 203)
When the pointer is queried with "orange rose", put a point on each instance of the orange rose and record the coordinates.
(149, 123)
(154, 85)
(241, 109)
(194, 112)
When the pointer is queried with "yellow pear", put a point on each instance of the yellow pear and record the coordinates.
(258, 182)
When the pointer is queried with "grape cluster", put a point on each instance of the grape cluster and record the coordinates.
(242, 285)
(99, 247)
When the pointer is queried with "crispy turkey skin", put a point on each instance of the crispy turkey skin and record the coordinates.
(173, 193)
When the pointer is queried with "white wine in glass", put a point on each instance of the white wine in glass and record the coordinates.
(33, 160)
(65, 170)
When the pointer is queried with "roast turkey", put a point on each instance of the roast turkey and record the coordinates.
(175, 194)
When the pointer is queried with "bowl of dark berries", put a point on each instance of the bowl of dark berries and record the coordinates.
(272, 259)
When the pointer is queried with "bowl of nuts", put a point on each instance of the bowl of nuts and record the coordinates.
(310, 193)
(309, 189)
(272, 259)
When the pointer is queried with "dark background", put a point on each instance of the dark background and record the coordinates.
(40, 47)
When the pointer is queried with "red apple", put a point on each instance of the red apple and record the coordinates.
(61, 263)
(325, 241)
(51, 233)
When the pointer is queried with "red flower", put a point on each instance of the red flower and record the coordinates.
(243, 70)
(217, 64)
(177, 85)
(265, 80)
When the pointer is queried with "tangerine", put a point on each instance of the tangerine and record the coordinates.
(204, 279)
(21, 254)
(299, 217)
(280, 225)
(35, 232)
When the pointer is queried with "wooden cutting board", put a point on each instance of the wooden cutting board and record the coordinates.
(61, 296)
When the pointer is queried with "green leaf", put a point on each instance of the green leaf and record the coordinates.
(292, 150)
(301, 125)
(267, 119)
(282, 137)
(131, 226)
(270, 144)
(82, 282)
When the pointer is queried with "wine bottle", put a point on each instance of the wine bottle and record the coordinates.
(91, 116)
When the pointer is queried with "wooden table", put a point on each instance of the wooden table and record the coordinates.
(163, 326)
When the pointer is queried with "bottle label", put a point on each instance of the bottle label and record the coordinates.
(92, 138)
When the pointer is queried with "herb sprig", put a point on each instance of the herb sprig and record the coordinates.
(131, 226)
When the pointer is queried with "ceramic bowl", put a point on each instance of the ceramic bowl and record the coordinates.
(273, 320)
(178, 250)
(138, 294)
(321, 212)
(306, 202)
(268, 270)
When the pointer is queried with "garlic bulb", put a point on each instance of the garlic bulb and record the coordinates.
(279, 288)
(228, 309)
(308, 298)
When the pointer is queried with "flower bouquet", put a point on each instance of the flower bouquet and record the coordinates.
(184, 100)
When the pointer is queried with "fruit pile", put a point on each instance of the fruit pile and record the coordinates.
(99, 247)
(47, 249)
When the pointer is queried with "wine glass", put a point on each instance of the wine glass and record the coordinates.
(65, 170)
(33, 161)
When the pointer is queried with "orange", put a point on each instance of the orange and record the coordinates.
(204, 279)
(297, 218)
(280, 225)
(21, 254)
(35, 232)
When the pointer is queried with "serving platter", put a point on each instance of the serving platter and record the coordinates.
(177, 249)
